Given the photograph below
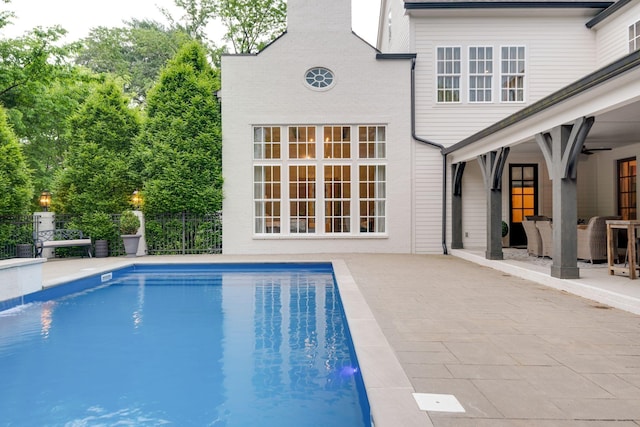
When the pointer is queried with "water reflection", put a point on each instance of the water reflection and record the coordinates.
(46, 318)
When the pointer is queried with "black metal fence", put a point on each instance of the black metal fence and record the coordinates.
(115, 245)
(184, 233)
(169, 234)
(16, 235)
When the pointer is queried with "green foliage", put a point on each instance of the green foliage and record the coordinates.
(97, 225)
(44, 125)
(505, 229)
(180, 151)
(135, 53)
(15, 233)
(5, 15)
(129, 223)
(40, 89)
(97, 176)
(197, 15)
(30, 63)
(16, 189)
(252, 24)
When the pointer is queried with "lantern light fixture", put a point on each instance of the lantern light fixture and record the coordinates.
(45, 200)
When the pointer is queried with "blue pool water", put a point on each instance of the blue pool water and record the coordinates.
(232, 346)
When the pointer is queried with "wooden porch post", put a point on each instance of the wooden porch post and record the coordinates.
(492, 165)
(456, 206)
(561, 147)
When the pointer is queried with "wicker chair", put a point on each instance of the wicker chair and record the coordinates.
(546, 236)
(534, 243)
(592, 239)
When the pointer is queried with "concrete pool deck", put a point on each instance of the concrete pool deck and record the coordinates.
(513, 352)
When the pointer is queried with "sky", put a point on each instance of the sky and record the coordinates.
(78, 16)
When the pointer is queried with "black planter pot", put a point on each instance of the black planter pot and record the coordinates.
(24, 250)
(101, 248)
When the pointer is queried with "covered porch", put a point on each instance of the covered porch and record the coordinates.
(569, 147)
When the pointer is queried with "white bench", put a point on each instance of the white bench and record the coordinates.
(60, 238)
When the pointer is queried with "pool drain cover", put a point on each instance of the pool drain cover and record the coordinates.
(438, 402)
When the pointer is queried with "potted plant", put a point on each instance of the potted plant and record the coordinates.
(505, 232)
(129, 225)
(101, 229)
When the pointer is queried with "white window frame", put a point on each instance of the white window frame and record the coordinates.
(263, 223)
(312, 224)
(634, 37)
(512, 72)
(480, 70)
(448, 74)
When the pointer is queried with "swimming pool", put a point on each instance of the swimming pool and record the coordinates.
(223, 345)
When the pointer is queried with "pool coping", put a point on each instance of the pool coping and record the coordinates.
(389, 391)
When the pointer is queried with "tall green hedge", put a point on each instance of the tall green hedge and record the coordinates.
(180, 149)
(96, 174)
(16, 188)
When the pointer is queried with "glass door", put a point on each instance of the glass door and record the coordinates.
(523, 188)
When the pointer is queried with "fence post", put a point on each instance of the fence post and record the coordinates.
(142, 244)
(45, 221)
(184, 234)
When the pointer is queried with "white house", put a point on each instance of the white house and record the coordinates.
(317, 146)
(489, 111)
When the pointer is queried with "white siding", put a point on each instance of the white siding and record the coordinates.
(556, 56)
(399, 40)
(605, 174)
(613, 34)
(474, 208)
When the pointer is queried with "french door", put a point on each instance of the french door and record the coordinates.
(523, 189)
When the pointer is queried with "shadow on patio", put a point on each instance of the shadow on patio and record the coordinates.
(594, 283)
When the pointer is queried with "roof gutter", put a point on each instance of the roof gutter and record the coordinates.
(507, 5)
(432, 145)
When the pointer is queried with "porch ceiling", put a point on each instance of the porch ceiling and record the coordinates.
(611, 129)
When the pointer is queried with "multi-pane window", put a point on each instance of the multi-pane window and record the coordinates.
(337, 198)
(373, 189)
(448, 69)
(372, 142)
(267, 198)
(337, 142)
(266, 142)
(302, 142)
(302, 198)
(480, 74)
(512, 73)
(627, 188)
(315, 189)
(634, 37)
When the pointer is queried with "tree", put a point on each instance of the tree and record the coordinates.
(197, 15)
(180, 149)
(30, 63)
(135, 53)
(252, 24)
(96, 176)
(15, 182)
(40, 89)
(5, 15)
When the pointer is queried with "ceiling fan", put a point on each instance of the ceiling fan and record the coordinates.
(590, 151)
